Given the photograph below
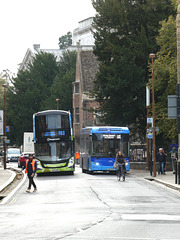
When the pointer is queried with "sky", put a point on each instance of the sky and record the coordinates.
(27, 22)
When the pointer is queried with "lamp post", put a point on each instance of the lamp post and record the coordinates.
(147, 127)
(4, 86)
(57, 100)
(152, 56)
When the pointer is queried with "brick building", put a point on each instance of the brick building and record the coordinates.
(83, 103)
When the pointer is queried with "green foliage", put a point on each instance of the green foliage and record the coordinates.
(30, 89)
(175, 3)
(65, 40)
(2, 81)
(125, 33)
(37, 89)
(165, 72)
(62, 86)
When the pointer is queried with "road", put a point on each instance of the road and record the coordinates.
(94, 207)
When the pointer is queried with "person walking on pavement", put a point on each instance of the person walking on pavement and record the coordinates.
(161, 159)
(31, 167)
(173, 156)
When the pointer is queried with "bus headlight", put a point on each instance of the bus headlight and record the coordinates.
(71, 162)
(38, 164)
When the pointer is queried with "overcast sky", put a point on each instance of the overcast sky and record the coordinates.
(27, 22)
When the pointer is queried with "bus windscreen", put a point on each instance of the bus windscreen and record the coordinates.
(53, 151)
(107, 145)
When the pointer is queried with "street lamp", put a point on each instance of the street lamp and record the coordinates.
(57, 100)
(152, 56)
(147, 127)
(4, 86)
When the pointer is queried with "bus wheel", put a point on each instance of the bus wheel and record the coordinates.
(83, 170)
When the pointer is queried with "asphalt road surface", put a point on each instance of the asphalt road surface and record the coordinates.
(94, 207)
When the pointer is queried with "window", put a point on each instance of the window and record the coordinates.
(77, 114)
(76, 87)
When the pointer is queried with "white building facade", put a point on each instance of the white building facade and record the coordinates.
(83, 33)
(82, 37)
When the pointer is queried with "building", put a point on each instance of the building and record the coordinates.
(81, 36)
(84, 105)
(84, 33)
(36, 49)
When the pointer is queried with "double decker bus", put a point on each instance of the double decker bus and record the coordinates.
(99, 146)
(53, 141)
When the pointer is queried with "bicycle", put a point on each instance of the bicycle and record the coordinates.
(120, 172)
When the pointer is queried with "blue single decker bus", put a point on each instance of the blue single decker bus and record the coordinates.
(99, 146)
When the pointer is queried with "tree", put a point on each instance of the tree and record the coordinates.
(5, 78)
(125, 33)
(2, 81)
(62, 86)
(165, 72)
(65, 40)
(30, 89)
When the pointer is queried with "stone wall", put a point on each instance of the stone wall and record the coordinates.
(142, 166)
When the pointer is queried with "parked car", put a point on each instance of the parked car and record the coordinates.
(13, 154)
(22, 159)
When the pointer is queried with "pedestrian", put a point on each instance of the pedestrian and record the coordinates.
(173, 156)
(31, 167)
(161, 160)
(165, 164)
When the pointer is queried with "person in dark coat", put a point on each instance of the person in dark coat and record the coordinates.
(161, 160)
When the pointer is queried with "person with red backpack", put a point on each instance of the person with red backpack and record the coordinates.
(31, 167)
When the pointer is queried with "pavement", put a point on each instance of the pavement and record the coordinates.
(7, 176)
(168, 180)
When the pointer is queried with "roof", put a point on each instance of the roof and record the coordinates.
(106, 130)
(51, 112)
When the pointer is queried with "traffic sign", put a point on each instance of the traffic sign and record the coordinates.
(150, 135)
(156, 129)
(7, 129)
(149, 120)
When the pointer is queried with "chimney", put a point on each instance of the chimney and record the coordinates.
(36, 47)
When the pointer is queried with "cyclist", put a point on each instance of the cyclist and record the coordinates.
(120, 163)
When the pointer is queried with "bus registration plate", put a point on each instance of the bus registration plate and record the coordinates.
(55, 170)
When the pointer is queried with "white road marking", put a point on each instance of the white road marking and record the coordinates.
(150, 217)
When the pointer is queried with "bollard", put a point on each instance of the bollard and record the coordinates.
(178, 166)
(2, 161)
(150, 166)
(175, 172)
